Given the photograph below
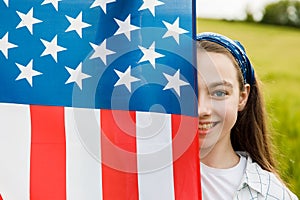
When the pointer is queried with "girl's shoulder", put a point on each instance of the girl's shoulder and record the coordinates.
(258, 182)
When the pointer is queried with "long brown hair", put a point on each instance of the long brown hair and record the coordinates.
(250, 131)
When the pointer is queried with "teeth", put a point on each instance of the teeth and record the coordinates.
(205, 126)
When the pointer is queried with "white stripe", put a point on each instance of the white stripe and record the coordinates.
(83, 154)
(154, 156)
(15, 138)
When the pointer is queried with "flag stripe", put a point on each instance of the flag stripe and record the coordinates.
(154, 152)
(15, 151)
(48, 153)
(185, 156)
(67, 165)
(83, 154)
(119, 165)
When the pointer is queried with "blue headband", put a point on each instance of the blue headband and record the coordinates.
(236, 49)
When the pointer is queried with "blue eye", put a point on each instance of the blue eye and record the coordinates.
(219, 93)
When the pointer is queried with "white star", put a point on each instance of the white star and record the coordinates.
(52, 48)
(27, 72)
(125, 27)
(101, 51)
(125, 78)
(102, 4)
(5, 45)
(150, 4)
(76, 75)
(150, 54)
(77, 24)
(53, 2)
(174, 30)
(6, 2)
(28, 20)
(174, 82)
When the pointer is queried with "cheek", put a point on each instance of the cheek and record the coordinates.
(227, 112)
(230, 114)
(231, 117)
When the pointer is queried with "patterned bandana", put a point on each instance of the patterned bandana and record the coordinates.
(236, 49)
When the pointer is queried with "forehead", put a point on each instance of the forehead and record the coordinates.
(215, 67)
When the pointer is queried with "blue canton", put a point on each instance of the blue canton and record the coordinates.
(111, 54)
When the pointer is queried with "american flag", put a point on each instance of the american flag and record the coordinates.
(97, 100)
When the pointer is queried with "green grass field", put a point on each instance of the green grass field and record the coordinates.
(275, 54)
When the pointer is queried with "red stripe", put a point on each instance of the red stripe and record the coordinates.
(186, 166)
(1, 197)
(48, 153)
(118, 151)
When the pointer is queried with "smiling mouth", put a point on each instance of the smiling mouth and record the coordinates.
(206, 126)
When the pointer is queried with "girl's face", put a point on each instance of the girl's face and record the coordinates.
(219, 101)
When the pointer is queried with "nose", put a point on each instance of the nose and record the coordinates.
(204, 106)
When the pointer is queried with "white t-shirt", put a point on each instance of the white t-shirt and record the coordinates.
(221, 183)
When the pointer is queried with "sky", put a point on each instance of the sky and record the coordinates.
(230, 9)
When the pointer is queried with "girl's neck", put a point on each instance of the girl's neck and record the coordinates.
(221, 156)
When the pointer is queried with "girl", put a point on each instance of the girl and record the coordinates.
(236, 157)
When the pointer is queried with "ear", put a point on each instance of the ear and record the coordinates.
(244, 97)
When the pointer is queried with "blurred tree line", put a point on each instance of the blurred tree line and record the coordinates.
(284, 12)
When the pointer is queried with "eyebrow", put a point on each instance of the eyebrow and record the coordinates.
(221, 83)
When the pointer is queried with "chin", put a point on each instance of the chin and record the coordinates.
(204, 152)
(206, 144)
